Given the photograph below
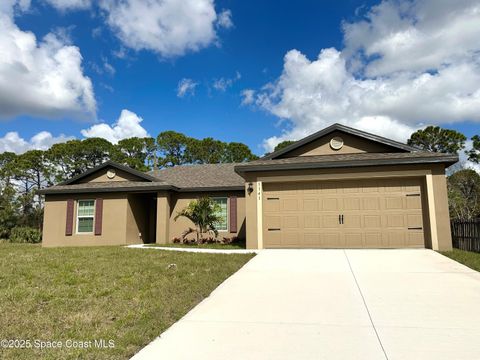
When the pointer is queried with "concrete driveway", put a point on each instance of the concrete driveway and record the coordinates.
(334, 304)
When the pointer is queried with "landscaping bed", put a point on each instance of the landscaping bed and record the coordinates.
(240, 245)
(129, 296)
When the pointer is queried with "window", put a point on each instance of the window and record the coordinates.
(223, 213)
(85, 215)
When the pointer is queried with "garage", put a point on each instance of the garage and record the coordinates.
(375, 213)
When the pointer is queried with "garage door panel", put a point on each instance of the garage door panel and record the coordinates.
(330, 221)
(372, 203)
(414, 221)
(354, 240)
(373, 239)
(330, 204)
(290, 222)
(396, 239)
(352, 203)
(273, 222)
(414, 202)
(312, 239)
(290, 238)
(311, 204)
(332, 240)
(352, 221)
(289, 205)
(376, 213)
(312, 221)
(415, 239)
(372, 221)
(272, 204)
(395, 221)
(394, 203)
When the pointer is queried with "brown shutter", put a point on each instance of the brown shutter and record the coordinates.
(98, 216)
(233, 214)
(69, 224)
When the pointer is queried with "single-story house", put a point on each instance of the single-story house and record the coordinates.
(338, 188)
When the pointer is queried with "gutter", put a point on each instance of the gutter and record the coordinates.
(239, 169)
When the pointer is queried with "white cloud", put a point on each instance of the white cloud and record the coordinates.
(64, 5)
(430, 74)
(12, 142)
(168, 27)
(40, 78)
(223, 84)
(248, 96)
(225, 19)
(127, 125)
(185, 87)
(10, 7)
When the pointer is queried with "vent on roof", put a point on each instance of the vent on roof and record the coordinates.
(336, 143)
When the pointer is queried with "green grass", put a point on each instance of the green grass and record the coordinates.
(468, 258)
(234, 246)
(129, 296)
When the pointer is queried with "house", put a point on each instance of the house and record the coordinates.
(337, 188)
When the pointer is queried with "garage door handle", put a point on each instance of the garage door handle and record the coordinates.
(414, 228)
(273, 229)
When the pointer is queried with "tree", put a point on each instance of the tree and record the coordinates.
(235, 152)
(135, 152)
(436, 139)
(474, 152)
(32, 172)
(7, 161)
(203, 213)
(77, 156)
(205, 151)
(171, 146)
(464, 194)
(68, 159)
(283, 144)
(96, 151)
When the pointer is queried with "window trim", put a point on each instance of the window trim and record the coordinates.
(228, 215)
(83, 216)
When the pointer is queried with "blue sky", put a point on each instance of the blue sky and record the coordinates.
(265, 42)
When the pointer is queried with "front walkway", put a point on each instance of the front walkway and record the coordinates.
(334, 304)
(194, 250)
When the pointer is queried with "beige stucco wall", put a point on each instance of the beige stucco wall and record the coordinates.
(437, 171)
(101, 176)
(351, 144)
(114, 222)
(174, 202)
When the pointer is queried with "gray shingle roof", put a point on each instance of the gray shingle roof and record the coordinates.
(201, 176)
(346, 160)
(111, 186)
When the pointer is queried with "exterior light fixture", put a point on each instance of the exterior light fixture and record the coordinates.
(250, 188)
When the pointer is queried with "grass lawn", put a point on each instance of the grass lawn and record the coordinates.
(468, 258)
(234, 246)
(126, 295)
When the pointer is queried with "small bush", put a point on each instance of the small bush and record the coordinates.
(24, 234)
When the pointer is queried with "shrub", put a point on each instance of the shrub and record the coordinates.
(24, 234)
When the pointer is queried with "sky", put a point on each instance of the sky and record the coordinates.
(257, 72)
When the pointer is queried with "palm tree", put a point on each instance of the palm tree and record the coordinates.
(203, 213)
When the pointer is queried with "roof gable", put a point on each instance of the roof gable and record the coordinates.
(93, 175)
(355, 141)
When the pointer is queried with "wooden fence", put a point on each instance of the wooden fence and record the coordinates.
(466, 234)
